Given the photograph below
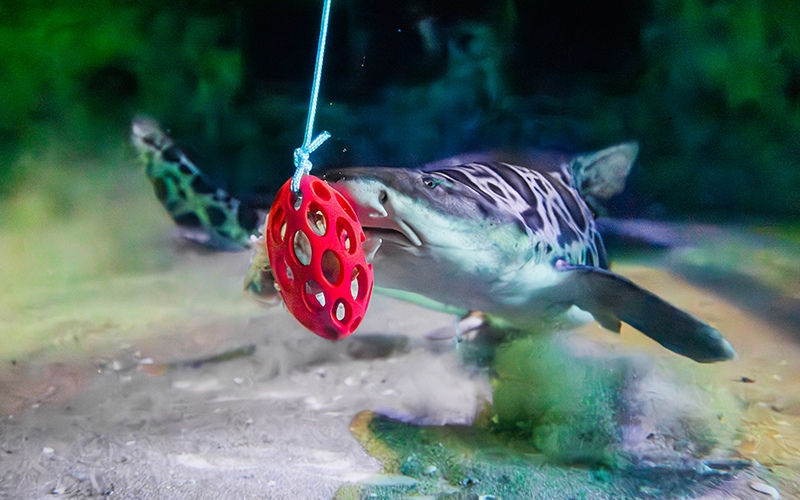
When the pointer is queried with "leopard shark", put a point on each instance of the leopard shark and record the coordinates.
(481, 232)
(516, 243)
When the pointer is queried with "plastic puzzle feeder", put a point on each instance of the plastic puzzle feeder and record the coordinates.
(314, 240)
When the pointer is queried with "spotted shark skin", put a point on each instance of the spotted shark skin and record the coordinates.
(548, 207)
(206, 214)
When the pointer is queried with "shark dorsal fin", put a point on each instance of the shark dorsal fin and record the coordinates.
(601, 175)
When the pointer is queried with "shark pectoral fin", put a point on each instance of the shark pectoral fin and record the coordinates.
(371, 246)
(608, 321)
(420, 300)
(611, 298)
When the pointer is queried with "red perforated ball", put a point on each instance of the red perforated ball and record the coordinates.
(314, 242)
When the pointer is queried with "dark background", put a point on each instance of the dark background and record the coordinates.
(711, 89)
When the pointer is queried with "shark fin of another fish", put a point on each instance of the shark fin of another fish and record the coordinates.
(610, 298)
(601, 175)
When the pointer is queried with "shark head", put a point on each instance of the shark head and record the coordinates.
(438, 237)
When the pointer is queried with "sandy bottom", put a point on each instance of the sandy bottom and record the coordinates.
(212, 397)
(148, 411)
(147, 374)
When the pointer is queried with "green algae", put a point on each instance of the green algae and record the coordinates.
(563, 424)
(461, 462)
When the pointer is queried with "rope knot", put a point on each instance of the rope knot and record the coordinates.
(302, 163)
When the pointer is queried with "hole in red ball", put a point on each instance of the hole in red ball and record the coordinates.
(321, 189)
(302, 248)
(316, 219)
(345, 231)
(277, 221)
(315, 296)
(346, 206)
(358, 283)
(341, 311)
(283, 274)
(297, 199)
(354, 286)
(288, 271)
(331, 267)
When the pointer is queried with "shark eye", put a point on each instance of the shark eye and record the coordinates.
(429, 182)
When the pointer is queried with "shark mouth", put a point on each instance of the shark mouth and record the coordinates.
(375, 219)
(401, 234)
(405, 240)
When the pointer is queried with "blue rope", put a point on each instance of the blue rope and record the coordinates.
(301, 162)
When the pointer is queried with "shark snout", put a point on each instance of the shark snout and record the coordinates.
(368, 196)
(374, 202)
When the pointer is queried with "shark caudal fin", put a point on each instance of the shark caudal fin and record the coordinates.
(610, 298)
(206, 214)
(601, 175)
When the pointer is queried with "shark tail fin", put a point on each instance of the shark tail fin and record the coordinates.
(205, 213)
(601, 175)
(610, 298)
